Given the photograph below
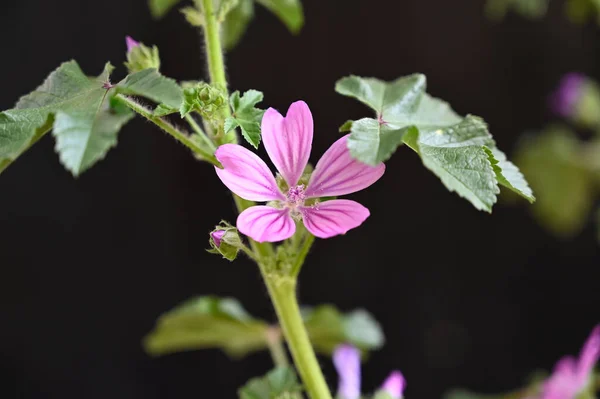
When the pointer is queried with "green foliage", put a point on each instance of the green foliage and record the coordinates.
(159, 8)
(328, 328)
(558, 167)
(142, 57)
(236, 22)
(288, 11)
(246, 115)
(150, 84)
(207, 322)
(581, 11)
(229, 244)
(459, 150)
(85, 122)
(203, 98)
(497, 9)
(278, 383)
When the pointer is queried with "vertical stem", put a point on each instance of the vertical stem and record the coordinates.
(283, 296)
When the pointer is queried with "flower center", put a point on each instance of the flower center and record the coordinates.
(295, 197)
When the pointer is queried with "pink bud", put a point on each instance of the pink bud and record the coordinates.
(394, 385)
(130, 43)
(217, 236)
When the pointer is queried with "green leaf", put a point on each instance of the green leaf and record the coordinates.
(346, 126)
(236, 23)
(150, 84)
(207, 322)
(328, 328)
(554, 164)
(84, 137)
(158, 8)
(288, 11)
(75, 104)
(508, 174)
(164, 110)
(459, 150)
(246, 115)
(275, 384)
(456, 154)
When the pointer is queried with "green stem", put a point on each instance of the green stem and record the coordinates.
(276, 347)
(180, 136)
(214, 53)
(282, 291)
(205, 139)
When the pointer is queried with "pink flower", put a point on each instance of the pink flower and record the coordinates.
(346, 360)
(394, 385)
(571, 376)
(288, 142)
(130, 43)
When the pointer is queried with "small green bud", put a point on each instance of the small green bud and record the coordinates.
(203, 98)
(225, 240)
(140, 56)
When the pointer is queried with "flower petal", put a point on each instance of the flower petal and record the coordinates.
(265, 223)
(394, 385)
(337, 173)
(288, 140)
(334, 217)
(589, 355)
(346, 360)
(246, 174)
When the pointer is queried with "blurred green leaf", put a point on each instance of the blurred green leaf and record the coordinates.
(158, 8)
(557, 172)
(497, 9)
(288, 11)
(328, 328)
(279, 382)
(236, 22)
(207, 322)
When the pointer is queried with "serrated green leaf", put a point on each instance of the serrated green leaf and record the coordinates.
(79, 99)
(164, 110)
(150, 84)
(328, 328)
(236, 23)
(159, 8)
(457, 156)
(288, 11)
(508, 174)
(246, 115)
(276, 383)
(230, 124)
(565, 187)
(84, 137)
(207, 322)
(371, 141)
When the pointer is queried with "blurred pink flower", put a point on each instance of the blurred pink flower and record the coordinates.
(288, 142)
(571, 376)
(346, 360)
(564, 100)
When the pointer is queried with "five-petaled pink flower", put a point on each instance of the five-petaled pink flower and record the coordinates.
(571, 376)
(288, 142)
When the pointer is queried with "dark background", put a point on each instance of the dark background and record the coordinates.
(465, 298)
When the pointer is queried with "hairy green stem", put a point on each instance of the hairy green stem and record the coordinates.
(180, 136)
(282, 291)
(214, 53)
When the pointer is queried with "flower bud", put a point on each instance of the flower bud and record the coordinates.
(203, 98)
(226, 241)
(140, 56)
